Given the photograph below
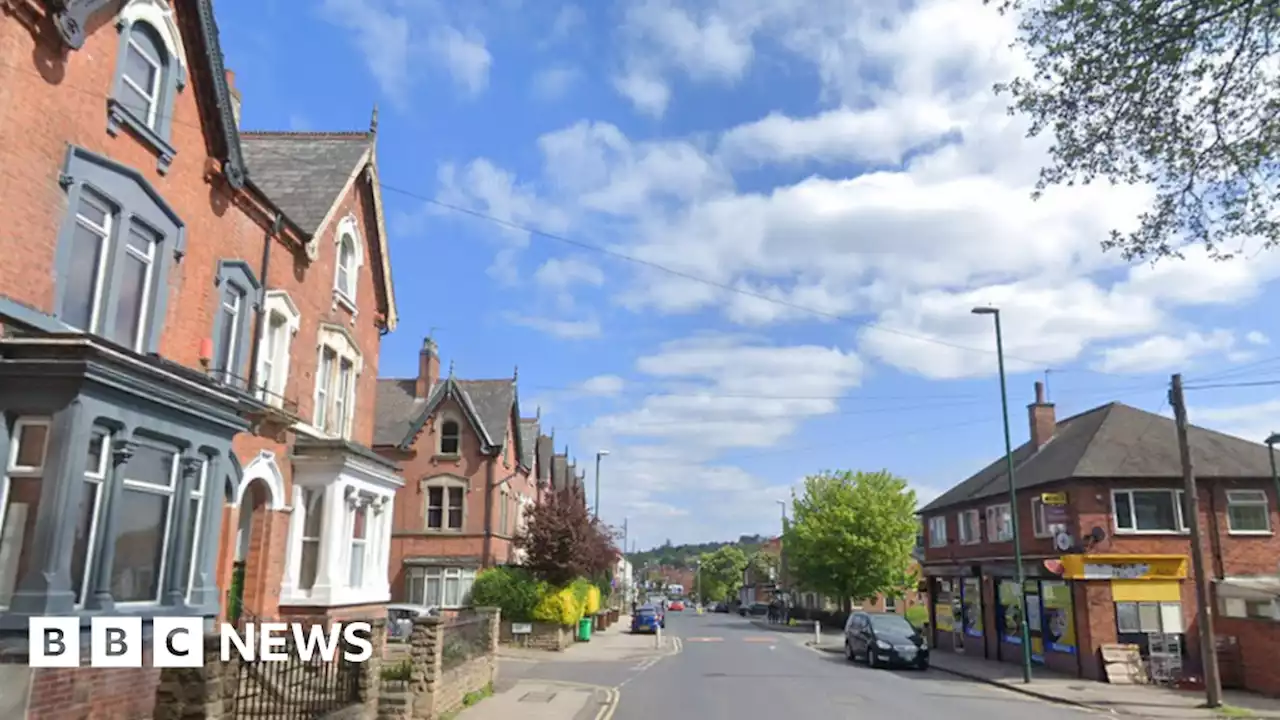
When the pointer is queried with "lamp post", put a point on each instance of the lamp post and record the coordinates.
(599, 455)
(1013, 498)
(1272, 439)
(782, 550)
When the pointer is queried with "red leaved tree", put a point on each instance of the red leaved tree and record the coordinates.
(563, 542)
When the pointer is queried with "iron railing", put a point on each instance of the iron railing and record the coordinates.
(294, 689)
(464, 636)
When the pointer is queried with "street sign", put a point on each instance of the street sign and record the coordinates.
(521, 628)
(1053, 498)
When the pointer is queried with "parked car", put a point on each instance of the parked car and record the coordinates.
(884, 639)
(722, 607)
(677, 606)
(647, 618)
(755, 609)
(400, 618)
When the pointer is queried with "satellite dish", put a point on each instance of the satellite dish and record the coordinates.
(1063, 541)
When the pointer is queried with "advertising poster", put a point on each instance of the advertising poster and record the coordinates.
(1010, 612)
(1035, 625)
(972, 599)
(1059, 625)
(942, 612)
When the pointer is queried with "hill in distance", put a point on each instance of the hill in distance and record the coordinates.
(684, 556)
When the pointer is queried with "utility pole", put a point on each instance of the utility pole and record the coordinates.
(1204, 613)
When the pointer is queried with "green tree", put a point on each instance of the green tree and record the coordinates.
(1182, 96)
(763, 565)
(851, 534)
(720, 573)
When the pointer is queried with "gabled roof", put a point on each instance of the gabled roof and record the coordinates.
(559, 472)
(199, 28)
(1113, 442)
(529, 431)
(487, 404)
(307, 174)
(545, 449)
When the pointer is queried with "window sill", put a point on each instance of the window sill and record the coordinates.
(447, 457)
(120, 116)
(342, 299)
(1250, 533)
(334, 596)
(442, 531)
(1182, 533)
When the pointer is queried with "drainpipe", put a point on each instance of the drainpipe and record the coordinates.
(488, 512)
(276, 226)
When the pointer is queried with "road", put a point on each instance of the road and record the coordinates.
(730, 669)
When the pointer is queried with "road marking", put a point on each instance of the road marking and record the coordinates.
(610, 704)
(704, 639)
(756, 639)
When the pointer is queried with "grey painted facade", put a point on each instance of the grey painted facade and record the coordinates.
(147, 407)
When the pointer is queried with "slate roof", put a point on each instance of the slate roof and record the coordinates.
(559, 474)
(303, 173)
(399, 415)
(1113, 441)
(529, 431)
(545, 449)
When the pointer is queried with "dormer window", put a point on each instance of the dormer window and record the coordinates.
(345, 282)
(142, 73)
(450, 437)
(148, 75)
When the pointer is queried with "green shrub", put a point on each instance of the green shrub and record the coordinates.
(917, 615)
(512, 590)
(558, 606)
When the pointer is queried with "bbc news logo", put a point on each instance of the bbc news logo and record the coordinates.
(178, 642)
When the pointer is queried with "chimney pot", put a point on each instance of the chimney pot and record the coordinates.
(428, 369)
(1043, 419)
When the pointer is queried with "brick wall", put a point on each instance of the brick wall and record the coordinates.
(1258, 642)
(545, 636)
(431, 692)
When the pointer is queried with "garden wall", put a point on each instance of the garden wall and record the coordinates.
(448, 659)
(545, 636)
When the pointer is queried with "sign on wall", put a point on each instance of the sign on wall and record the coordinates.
(521, 628)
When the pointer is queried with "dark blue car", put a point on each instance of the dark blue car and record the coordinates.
(647, 618)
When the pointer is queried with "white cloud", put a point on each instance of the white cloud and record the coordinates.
(1160, 353)
(602, 386)
(464, 56)
(561, 328)
(553, 83)
(1254, 421)
(649, 94)
(382, 36)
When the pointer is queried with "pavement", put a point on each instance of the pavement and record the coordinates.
(1131, 701)
(724, 667)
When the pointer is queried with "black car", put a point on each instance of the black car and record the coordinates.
(722, 607)
(885, 639)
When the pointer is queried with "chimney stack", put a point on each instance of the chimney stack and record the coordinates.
(235, 97)
(1042, 417)
(428, 368)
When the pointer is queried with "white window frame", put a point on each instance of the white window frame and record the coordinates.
(94, 476)
(104, 233)
(313, 504)
(197, 494)
(994, 522)
(504, 511)
(424, 574)
(975, 538)
(1248, 498)
(358, 547)
(328, 410)
(347, 234)
(175, 463)
(938, 531)
(1178, 502)
(13, 470)
(1039, 522)
(228, 352)
(1163, 610)
(152, 114)
(279, 309)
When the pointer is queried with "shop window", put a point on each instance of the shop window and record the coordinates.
(1143, 618)
(1248, 512)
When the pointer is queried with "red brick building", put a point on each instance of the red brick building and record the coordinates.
(472, 466)
(166, 279)
(1103, 524)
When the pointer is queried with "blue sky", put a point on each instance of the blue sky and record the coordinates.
(798, 202)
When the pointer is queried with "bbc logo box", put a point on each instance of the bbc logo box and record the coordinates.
(177, 642)
(116, 642)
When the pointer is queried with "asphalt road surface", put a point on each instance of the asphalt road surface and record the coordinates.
(730, 669)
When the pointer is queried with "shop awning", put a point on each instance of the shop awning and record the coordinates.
(1261, 588)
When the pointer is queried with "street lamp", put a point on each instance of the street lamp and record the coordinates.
(599, 455)
(1013, 497)
(1271, 441)
(782, 550)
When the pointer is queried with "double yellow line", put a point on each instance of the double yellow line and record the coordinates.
(610, 704)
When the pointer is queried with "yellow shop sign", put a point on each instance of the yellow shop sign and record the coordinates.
(1053, 498)
(1124, 567)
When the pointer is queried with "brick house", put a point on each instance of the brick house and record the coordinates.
(1105, 540)
(469, 478)
(154, 284)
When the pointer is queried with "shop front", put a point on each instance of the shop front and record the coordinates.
(1143, 593)
(957, 614)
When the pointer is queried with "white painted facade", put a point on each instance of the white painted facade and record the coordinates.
(324, 552)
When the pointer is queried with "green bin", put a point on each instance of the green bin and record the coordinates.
(584, 629)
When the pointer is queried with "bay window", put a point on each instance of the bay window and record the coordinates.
(20, 497)
(442, 587)
(89, 515)
(144, 520)
(309, 558)
(359, 545)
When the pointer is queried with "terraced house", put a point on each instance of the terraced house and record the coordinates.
(191, 322)
(472, 468)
